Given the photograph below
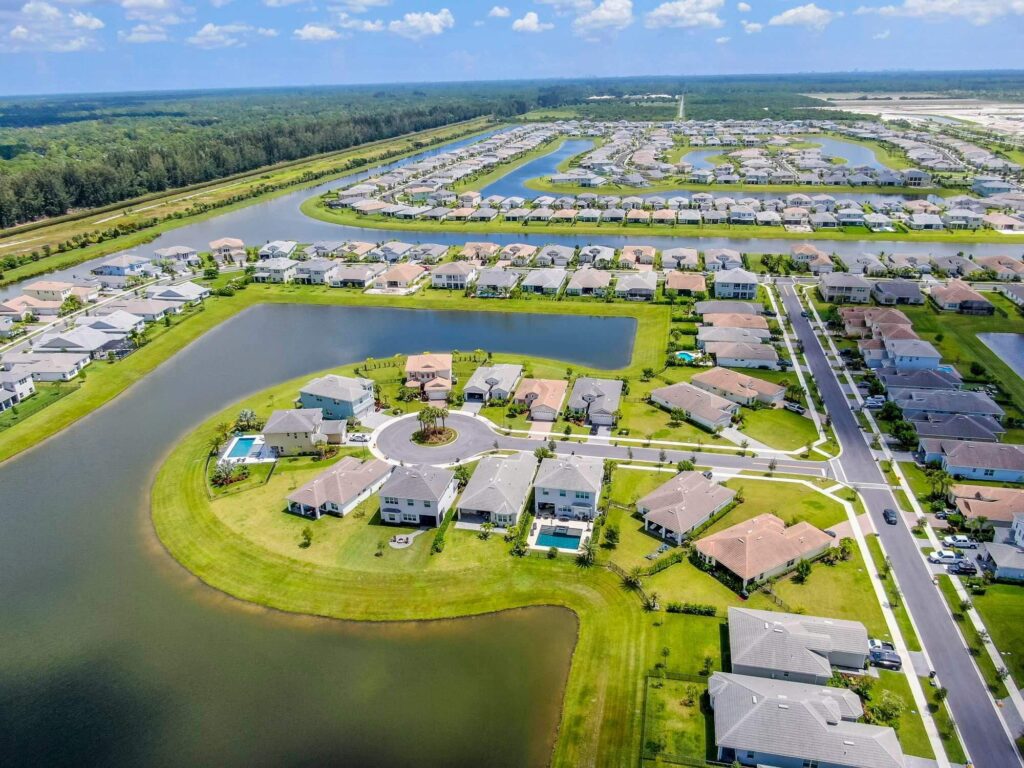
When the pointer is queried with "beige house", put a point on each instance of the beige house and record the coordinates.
(544, 397)
(295, 431)
(400, 276)
(703, 408)
(49, 290)
(685, 283)
(338, 489)
(738, 387)
(431, 374)
(762, 547)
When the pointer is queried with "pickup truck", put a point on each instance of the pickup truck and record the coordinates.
(960, 542)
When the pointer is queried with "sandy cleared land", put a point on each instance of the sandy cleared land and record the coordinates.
(1003, 116)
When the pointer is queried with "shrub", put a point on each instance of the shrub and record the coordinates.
(693, 609)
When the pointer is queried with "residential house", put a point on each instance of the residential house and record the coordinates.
(936, 401)
(1005, 267)
(278, 249)
(1004, 556)
(761, 722)
(294, 431)
(498, 490)
(15, 386)
(356, 275)
(548, 280)
(600, 256)
(315, 271)
(182, 254)
(595, 401)
(843, 287)
(119, 322)
(280, 270)
(957, 426)
(687, 501)
(188, 293)
(911, 354)
(418, 496)
(340, 488)
(998, 506)
(680, 258)
(568, 486)
(339, 397)
(88, 341)
(543, 397)
(738, 387)
(520, 254)
(431, 374)
(685, 284)
(726, 307)
(496, 283)
(639, 286)
(49, 290)
(741, 355)
(890, 292)
(554, 256)
(957, 296)
(126, 265)
(699, 406)
(455, 275)
(794, 647)
(588, 282)
(43, 366)
(228, 249)
(719, 259)
(492, 382)
(762, 547)
(399, 277)
(970, 460)
(735, 284)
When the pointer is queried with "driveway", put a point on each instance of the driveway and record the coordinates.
(972, 706)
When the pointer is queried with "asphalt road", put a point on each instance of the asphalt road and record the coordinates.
(969, 700)
(475, 437)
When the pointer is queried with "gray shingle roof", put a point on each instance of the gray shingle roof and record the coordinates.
(344, 388)
(294, 420)
(571, 473)
(597, 395)
(420, 482)
(500, 484)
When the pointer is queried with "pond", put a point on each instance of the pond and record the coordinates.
(511, 184)
(113, 656)
(1009, 347)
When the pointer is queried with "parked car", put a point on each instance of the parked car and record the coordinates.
(942, 514)
(890, 516)
(945, 557)
(360, 438)
(960, 542)
(795, 408)
(874, 644)
(886, 660)
(963, 568)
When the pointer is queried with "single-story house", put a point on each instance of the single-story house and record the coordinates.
(639, 286)
(685, 502)
(738, 387)
(596, 401)
(890, 292)
(492, 382)
(742, 355)
(544, 397)
(699, 406)
(340, 488)
(588, 282)
(973, 460)
(185, 293)
(548, 280)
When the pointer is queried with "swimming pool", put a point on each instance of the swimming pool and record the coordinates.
(686, 357)
(559, 536)
(241, 448)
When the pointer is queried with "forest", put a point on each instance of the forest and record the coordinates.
(65, 153)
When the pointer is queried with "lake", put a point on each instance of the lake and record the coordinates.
(114, 656)
(1009, 347)
(511, 184)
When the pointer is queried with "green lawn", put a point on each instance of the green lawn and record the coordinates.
(778, 428)
(1002, 610)
(944, 723)
(45, 396)
(974, 642)
(679, 721)
(899, 609)
(910, 730)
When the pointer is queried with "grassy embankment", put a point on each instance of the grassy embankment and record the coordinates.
(105, 381)
(244, 544)
(315, 208)
(35, 237)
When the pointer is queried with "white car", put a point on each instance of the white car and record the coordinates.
(960, 542)
(944, 556)
(360, 437)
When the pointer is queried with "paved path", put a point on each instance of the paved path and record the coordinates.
(476, 436)
(979, 722)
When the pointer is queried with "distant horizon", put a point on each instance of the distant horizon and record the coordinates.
(480, 81)
(51, 47)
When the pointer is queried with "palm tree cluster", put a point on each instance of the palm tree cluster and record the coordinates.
(432, 421)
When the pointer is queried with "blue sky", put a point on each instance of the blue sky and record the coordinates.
(49, 46)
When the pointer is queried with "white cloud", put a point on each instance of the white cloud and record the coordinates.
(39, 26)
(531, 23)
(316, 33)
(608, 15)
(211, 36)
(751, 27)
(810, 16)
(344, 21)
(361, 6)
(743, 7)
(722, 40)
(977, 12)
(686, 13)
(163, 12)
(883, 35)
(426, 24)
(500, 12)
(85, 21)
(143, 33)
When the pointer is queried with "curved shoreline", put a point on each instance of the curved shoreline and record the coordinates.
(598, 722)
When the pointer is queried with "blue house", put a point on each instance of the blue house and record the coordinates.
(975, 460)
(340, 397)
(125, 265)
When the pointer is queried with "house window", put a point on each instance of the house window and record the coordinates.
(990, 473)
(390, 500)
(562, 494)
(582, 495)
(426, 504)
(409, 502)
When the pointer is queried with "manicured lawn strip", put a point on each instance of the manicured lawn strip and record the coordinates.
(674, 729)
(45, 396)
(180, 200)
(944, 723)
(988, 669)
(778, 428)
(477, 183)
(314, 208)
(792, 502)
(912, 735)
(105, 381)
(1002, 610)
(895, 601)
